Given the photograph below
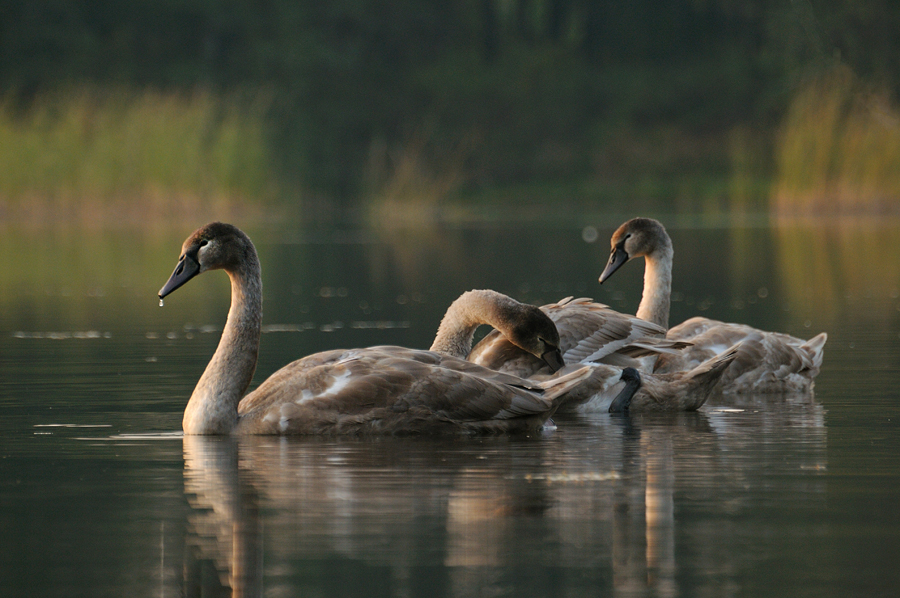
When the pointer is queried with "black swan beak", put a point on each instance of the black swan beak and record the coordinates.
(554, 359)
(186, 269)
(618, 257)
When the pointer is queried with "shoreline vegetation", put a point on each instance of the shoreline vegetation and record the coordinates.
(119, 155)
(838, 151)
(123, 155)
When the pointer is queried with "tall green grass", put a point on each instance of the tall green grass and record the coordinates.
(839, 150)
(93, 152)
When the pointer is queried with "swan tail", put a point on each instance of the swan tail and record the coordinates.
(709, 372)
(815, 347)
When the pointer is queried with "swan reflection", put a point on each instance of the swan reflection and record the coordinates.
(604, 503)
(224, 526)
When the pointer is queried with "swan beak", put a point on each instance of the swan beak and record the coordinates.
(186, 269)
(622, 402)
(618, 257)
(554, 359)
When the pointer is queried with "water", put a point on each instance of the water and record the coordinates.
(100, 495)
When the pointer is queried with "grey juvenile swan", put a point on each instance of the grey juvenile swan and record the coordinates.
(675, 391)
(766, 362)
(376, 390)
(527, 327)
(588, 332)
(579, 322)
(643, 391)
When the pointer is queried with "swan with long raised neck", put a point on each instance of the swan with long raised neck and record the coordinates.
(376, 390)
(767, 361)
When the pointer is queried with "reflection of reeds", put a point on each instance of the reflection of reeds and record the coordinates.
(88, 279)
(820, 262)
(91, 152)
(839, 150)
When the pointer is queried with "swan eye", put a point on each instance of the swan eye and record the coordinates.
(204, 243)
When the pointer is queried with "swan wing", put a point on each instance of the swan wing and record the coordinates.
(590, 331)
(765, 362)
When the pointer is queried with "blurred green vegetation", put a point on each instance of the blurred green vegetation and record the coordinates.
(383, 107)
(839, 150)
(85, 152)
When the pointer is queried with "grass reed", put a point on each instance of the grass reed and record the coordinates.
(104, 153)
(839, 150)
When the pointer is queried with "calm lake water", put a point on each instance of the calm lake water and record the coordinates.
(774, 496)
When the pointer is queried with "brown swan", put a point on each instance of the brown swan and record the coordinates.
(377, 390)
(768, 362)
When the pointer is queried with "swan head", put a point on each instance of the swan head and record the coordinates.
(211, 247)
(536, 333)
(622, 402)
(639, 237)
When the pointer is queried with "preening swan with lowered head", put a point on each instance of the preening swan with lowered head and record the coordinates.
(645, 391)
(377, 390)
(526, 327)
(519, 334)
(768, 361)
(588, 332)
(579, 323)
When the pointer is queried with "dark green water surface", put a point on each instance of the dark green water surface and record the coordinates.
(766, 496)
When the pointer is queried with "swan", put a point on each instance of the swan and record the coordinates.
(578, 322)
(769, 362)
(588, 332)
(684, 390)
(376, 390)
(526, 326)
(674, 391)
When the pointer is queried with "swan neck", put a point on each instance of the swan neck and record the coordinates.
(472, 309)
(656, 298)
(212, 408)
